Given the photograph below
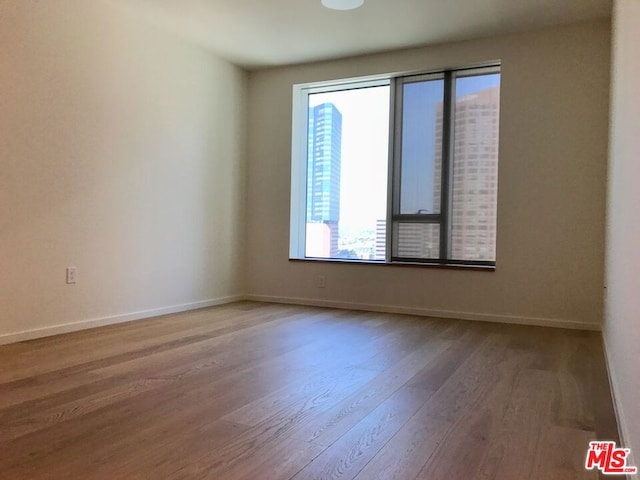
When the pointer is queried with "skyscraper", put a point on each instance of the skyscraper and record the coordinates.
(381, 239)
(475, 175)
(323, 176)
(474, 183)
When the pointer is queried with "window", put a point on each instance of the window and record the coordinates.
(401, 169)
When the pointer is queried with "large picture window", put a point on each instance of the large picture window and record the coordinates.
(400, 169)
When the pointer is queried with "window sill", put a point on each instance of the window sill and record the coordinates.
(454, 266)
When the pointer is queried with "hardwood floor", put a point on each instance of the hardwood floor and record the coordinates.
(259, 391)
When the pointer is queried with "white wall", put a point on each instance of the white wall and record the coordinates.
(122, 154)
(622, 313)
(551, 207)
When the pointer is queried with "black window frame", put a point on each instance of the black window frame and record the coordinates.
(394, 216)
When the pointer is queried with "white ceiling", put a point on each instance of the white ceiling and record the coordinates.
(259, 33)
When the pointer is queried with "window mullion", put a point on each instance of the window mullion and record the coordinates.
(447, 166)
(395, 151)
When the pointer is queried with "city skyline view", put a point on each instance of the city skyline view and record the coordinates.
(364, 154)
(348, 165)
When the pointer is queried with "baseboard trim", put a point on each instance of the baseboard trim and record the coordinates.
(425, 312)
(127, 317)
(623, 431)
(121, 318)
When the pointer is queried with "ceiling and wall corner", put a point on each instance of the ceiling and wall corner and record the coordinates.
(259, 34)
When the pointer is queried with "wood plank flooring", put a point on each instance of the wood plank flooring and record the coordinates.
(260, 391)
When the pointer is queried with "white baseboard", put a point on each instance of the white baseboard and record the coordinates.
(485, 317)
(127, 317)
(623, 431)
(121, 318)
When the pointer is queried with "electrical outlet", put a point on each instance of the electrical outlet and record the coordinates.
(71, 275)
(321, 281)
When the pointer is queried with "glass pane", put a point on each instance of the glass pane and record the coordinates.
(475, 168)
(416, 240)
(421, 147)
(348, 135)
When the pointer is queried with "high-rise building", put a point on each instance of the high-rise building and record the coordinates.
(381, 239)
(475, 174)
(474, 184)
(323, 173)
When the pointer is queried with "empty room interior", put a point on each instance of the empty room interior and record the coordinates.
(319, 239)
